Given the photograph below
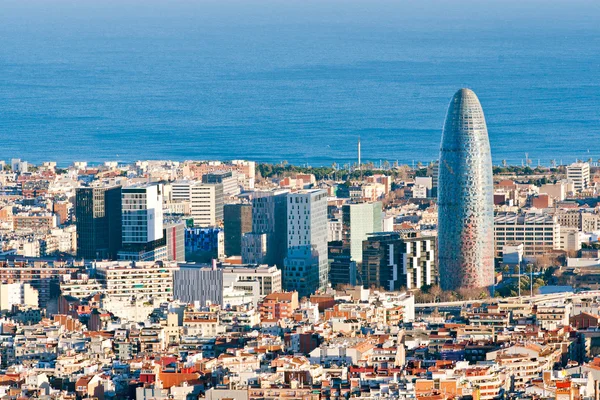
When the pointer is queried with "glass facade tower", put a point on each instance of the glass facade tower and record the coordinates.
(465, 197)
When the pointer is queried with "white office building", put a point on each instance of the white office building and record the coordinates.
(539, 233)
(579, 173)
(205, 201)
(142, 223)
(142, 213)
(306, 265)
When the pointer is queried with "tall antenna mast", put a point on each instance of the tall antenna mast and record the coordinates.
(359, 165)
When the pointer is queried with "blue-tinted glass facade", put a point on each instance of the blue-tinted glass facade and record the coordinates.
(465, 197)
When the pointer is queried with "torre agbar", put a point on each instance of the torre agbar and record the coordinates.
(465, 197)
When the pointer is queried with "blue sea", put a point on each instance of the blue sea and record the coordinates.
(294, 80)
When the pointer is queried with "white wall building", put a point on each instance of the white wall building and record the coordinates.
(142, 213)
(14, 294)
(579, 173)
(539, 233)
(306, 266)
(205, 201)
(124, 280)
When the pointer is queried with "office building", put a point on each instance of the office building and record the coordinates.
(205, 201)
(394, 260)
(358, 221)
(198, 283)
(203, 284)
(342, 271)
(204, 241)
(268, 277)
(237, 221)
(306, 266)
(579, 174)
(538, 233)
(269, 216)
(98, 222)
(175, 240)
(253, 281)
(465, 197)
(228, 179)
(569, 239)
(254, 248)
(142, 224)
(434, 174)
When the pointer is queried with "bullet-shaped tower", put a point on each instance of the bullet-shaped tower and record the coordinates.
(465, 197)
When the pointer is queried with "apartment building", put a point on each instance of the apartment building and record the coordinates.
(124, 280)
(579, 173)
(279, 305)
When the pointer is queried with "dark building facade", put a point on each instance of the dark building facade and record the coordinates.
(394, 260)
(98, 221)
(269, 216)
(342, 271)
(237, 221)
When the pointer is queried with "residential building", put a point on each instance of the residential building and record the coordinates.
(394, 260)
(124, 280)
(278, 306)
(579, 173)
(17, 294)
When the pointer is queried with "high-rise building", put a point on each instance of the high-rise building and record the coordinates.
(142, 223)
(579, 173)
(394, 260)
(465, 197)
(175, 239)
(269, 216)
(358, 221)
(306, 266)
(342, 271)
(228, 179)
(205, 201)
(98, 222)
(142, 280)
(254, 248)
(237, 221)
